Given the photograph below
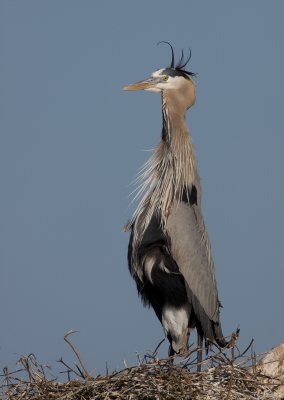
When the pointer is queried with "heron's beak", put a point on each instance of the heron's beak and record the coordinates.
(147, 84)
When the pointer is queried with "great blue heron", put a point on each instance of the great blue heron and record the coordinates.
(169, 251)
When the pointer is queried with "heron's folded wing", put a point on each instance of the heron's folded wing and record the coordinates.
(190, 248)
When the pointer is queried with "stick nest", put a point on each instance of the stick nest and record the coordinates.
(223, 376)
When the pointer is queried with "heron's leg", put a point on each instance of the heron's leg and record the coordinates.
(171, 353)
(199, 351)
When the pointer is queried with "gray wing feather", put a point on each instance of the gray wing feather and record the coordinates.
(190, 248)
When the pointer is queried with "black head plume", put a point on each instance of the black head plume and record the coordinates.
(172, 50)
(181, 63)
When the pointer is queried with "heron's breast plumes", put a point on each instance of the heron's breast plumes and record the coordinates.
(163, 180)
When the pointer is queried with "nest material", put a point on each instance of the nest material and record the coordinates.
(221, 378)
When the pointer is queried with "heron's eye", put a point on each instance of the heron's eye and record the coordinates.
(165, 78)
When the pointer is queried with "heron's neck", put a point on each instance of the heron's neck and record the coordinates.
(176, 144)
(170, 170)
(174, 126)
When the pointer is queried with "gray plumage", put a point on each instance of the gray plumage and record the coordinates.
(169, 251)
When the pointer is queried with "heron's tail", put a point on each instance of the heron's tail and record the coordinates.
(219, 337)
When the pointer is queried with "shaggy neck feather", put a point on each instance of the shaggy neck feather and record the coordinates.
(170, 170)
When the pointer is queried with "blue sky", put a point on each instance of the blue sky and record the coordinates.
(71, 141)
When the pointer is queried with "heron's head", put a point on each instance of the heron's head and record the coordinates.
(173, 81)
